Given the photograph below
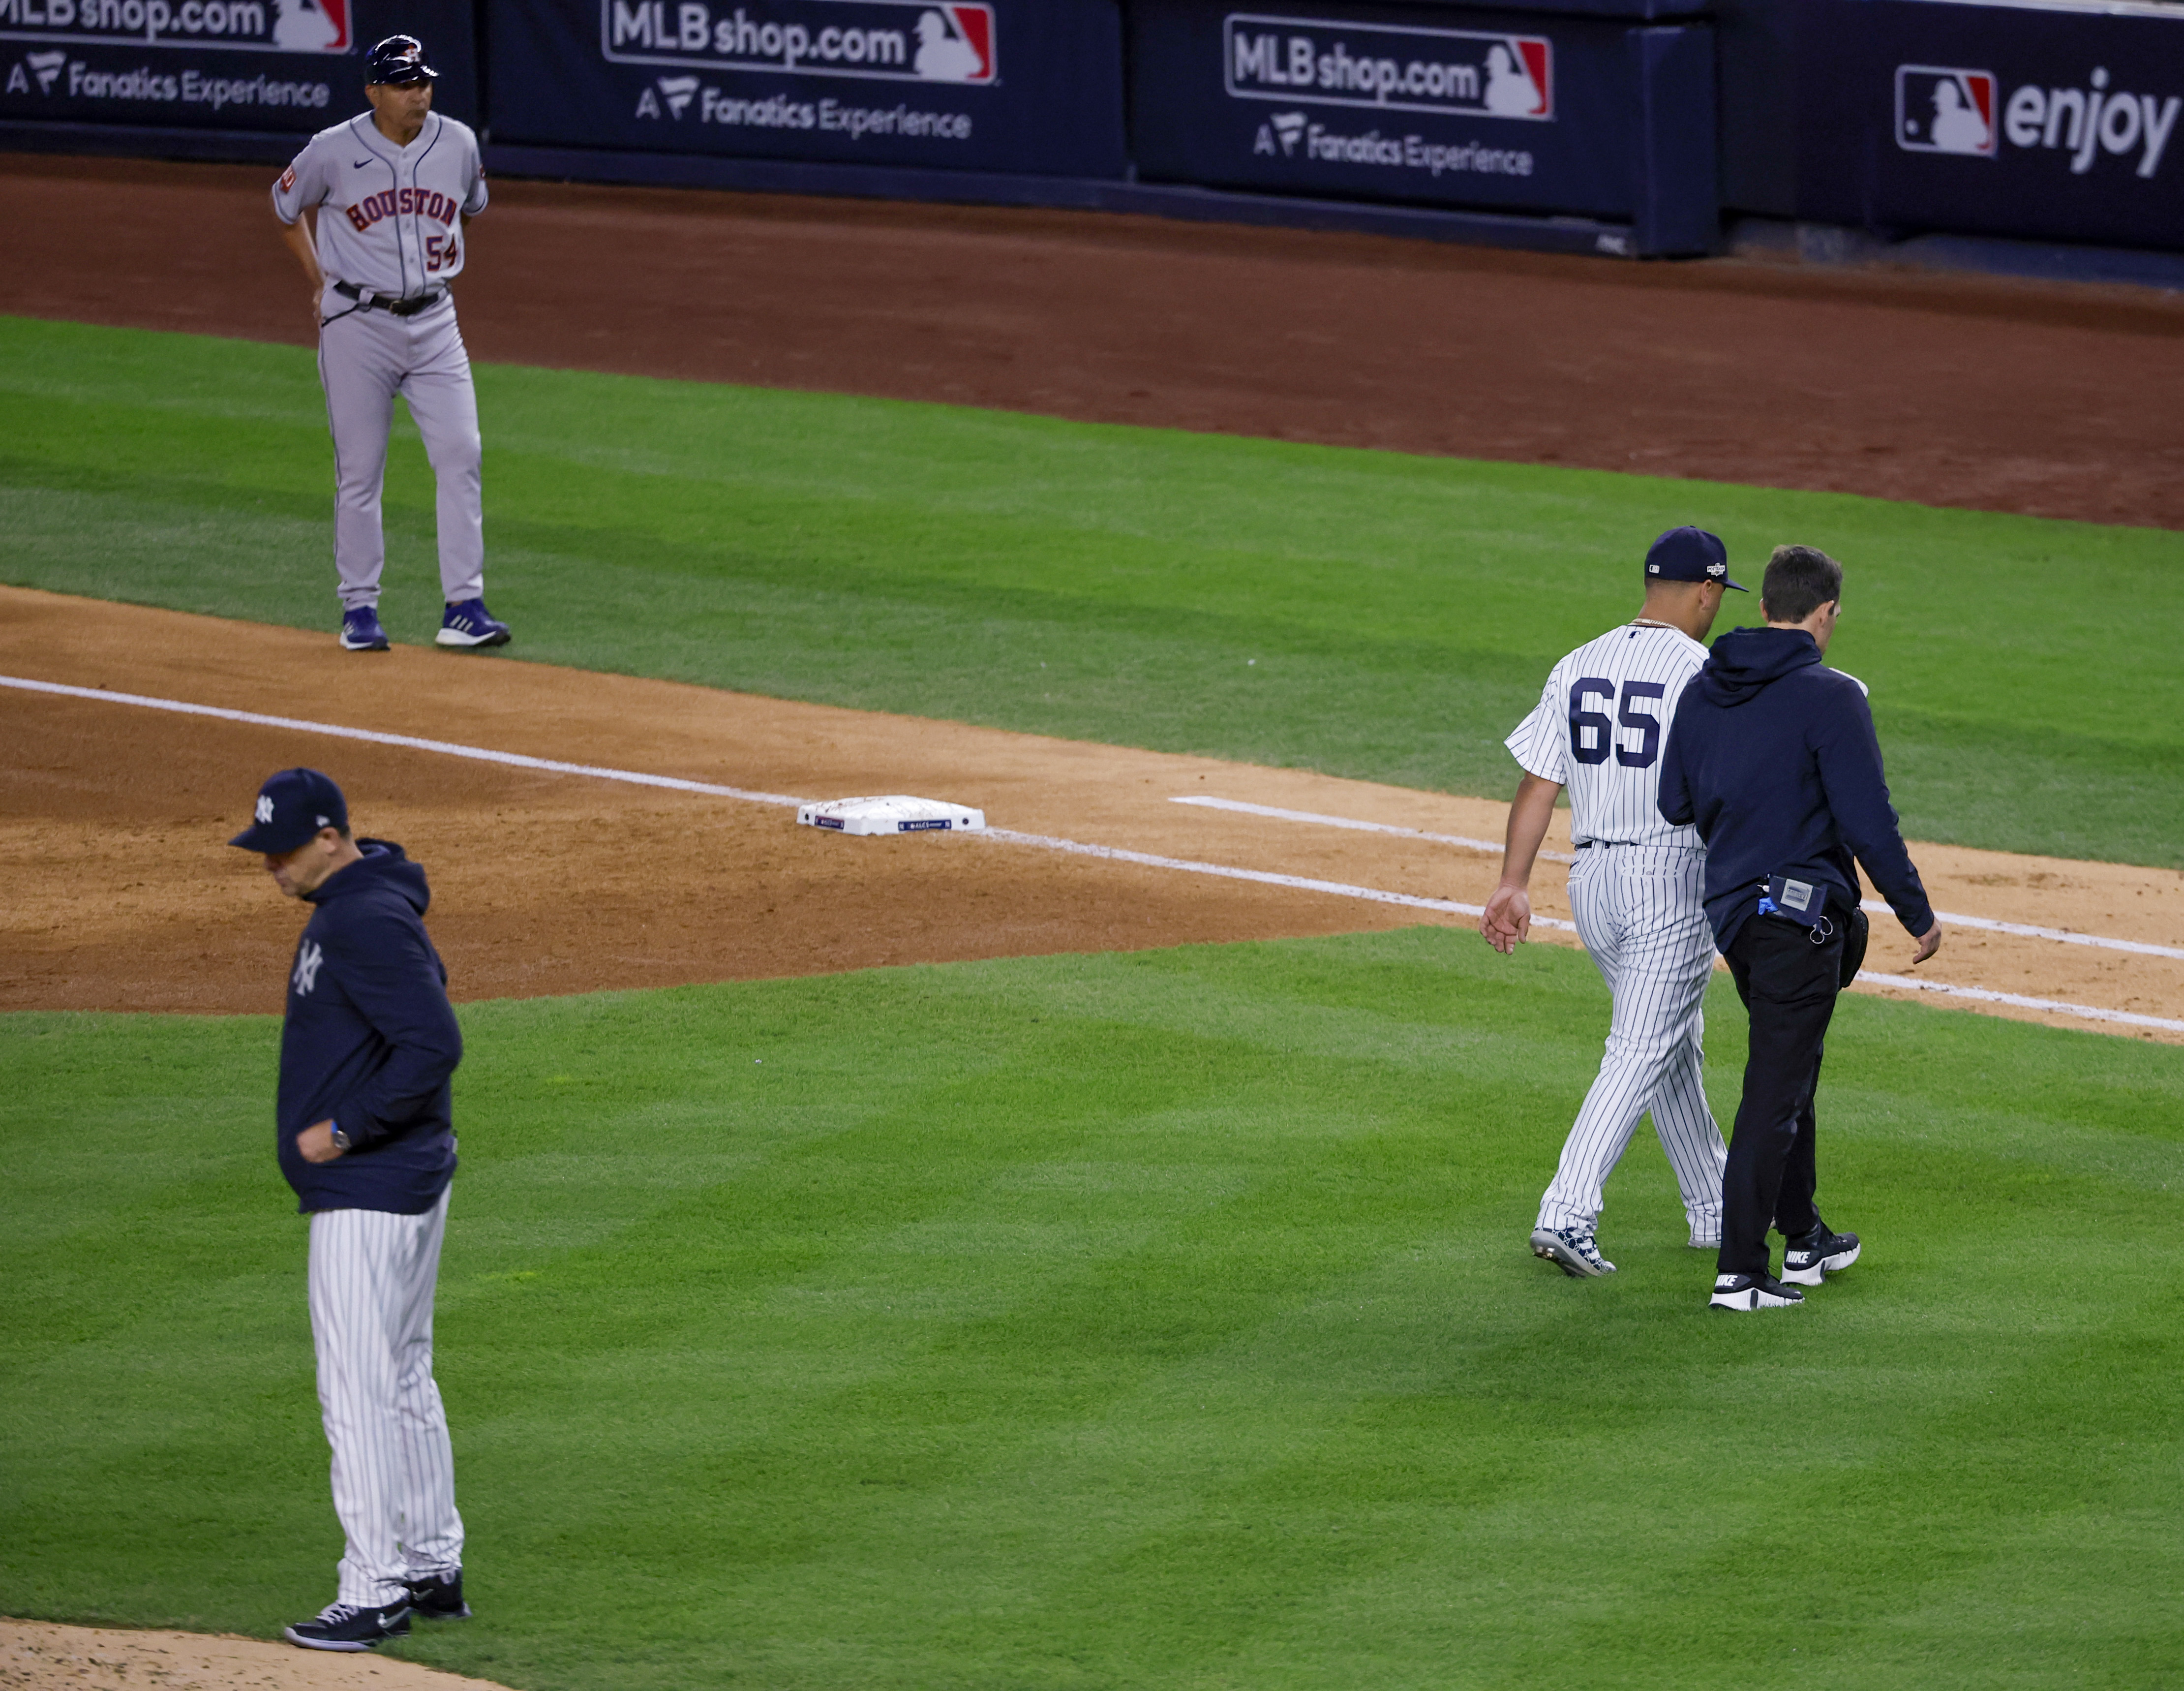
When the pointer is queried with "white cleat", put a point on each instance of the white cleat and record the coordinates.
(1571, 1250)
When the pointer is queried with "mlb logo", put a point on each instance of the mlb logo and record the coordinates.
(1521, 83)
(1945, 108)
(310, 25)
(956, 44)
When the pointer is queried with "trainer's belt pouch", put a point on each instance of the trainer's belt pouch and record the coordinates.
(1806, 901)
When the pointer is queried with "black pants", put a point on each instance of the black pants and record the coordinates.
(1789, 985)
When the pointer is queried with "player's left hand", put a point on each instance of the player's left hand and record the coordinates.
(1929, 943)
(1508, 922)
(316, 1142)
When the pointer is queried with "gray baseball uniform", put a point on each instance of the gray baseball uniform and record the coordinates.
(390, 239)
(1635, 892)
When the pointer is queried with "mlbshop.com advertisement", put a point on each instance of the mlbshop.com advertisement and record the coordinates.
(1459, 108)
(269, 64)
(1031, 85)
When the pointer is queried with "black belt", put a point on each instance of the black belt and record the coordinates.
(1587, 845)
(379, 302)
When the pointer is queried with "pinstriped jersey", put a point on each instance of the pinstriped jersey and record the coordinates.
(1599, 728)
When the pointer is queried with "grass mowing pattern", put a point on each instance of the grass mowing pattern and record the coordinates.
(1101, 582)
(1149, 1320)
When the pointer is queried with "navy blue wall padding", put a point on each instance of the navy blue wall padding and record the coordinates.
(1029, 86)
(1268, 100)
(1678, 208)
(1755, 69)
(1672, 9)
(284, 67)
(1907, 116)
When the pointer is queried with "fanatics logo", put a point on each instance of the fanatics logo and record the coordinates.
(1942, 109)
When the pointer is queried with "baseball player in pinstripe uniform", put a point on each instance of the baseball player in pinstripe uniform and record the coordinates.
(1635, 891)
(364, 1134)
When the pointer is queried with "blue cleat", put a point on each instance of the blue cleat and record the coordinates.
(360, 630)
(471, 624)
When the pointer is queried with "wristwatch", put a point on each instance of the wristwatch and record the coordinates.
(340, 1139)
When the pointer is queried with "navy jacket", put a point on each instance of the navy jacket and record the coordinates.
(370, 1041)
(1773, 756)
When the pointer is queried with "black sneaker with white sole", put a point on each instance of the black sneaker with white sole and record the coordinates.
(439, 1597)
(345, 1627)
(1812, 1258)
(1753, 1292)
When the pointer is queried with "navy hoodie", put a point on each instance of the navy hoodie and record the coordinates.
(1773, 756)
(370, 1041)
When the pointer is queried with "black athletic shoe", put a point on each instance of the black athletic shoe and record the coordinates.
(344, 1627)
(1810, 1259)
(1753, 1292)
(439, 1597)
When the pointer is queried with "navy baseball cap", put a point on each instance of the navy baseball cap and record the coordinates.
(398, 59)
(292, 807)
(1689, 554)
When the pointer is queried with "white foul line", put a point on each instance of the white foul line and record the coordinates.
(516, 760)
(2023, 930)
(1275, 811)
(2132, 1018)
(1265, 877)
(513, 760)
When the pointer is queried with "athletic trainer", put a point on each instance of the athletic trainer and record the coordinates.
(1773, 759)
(392, 193)
(364, 1134)
(1635, 891)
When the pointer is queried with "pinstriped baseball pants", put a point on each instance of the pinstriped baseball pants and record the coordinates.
(1638, 911)
(371, 1281)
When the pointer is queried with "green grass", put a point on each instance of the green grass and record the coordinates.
(1100, 582)
(1149, 1321)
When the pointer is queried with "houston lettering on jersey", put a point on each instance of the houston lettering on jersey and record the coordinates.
(403, 203)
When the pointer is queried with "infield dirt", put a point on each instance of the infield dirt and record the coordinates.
(113, 820)
(1979, 393)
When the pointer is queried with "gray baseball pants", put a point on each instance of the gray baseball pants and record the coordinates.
(372, 1282)
(365, 358)
(1638, 911)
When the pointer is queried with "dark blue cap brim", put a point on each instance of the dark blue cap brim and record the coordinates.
(1735, 586)
(276, 841)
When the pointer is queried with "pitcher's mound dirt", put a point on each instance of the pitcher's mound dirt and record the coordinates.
(122, 895)
(36, 1656)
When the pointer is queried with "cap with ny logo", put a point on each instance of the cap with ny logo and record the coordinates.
(292, 806)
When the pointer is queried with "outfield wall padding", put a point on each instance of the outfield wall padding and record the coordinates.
(1032, 87)
(1505, 110)
(278, 67)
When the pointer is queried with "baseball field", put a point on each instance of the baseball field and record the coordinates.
(1092, 1257)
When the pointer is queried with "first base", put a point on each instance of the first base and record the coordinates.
(897, 813)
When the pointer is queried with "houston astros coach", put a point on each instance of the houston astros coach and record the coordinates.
(364, 1133)
(1773, 756)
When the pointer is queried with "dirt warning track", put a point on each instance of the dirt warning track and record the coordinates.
(1974, 392)
(113, 819)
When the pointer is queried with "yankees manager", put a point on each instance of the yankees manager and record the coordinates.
(1773, 756)
(364, 1134)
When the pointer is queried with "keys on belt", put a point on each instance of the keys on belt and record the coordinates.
(407, 306)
